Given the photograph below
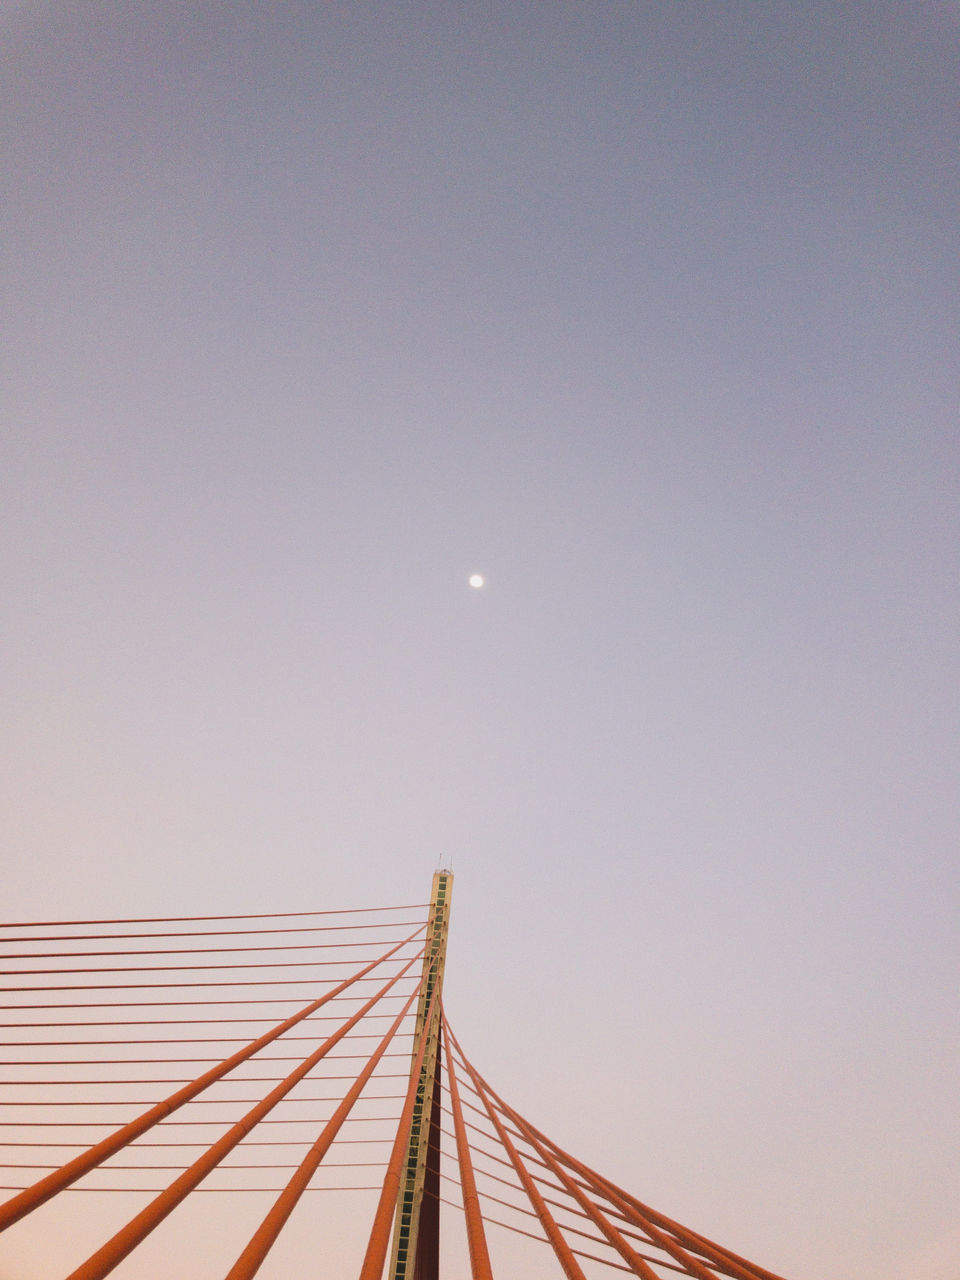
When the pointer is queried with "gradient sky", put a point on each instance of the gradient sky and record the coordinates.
(646, 311)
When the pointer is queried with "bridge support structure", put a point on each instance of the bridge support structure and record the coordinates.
(415, 1252)
(598, 1222)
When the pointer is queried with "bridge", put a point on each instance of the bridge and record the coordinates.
(310, 1054)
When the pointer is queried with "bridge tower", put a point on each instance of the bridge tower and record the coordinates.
(415, 1253)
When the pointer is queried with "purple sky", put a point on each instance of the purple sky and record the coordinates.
(646, 311)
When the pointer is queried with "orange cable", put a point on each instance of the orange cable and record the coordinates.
(189, 951)
(164, 1004)
(164, 968)
(149, 1191)
(196, 1102)
(156, 1022)
(133, 1062)
(255, 915)
(58, 1044)
(102, 1124)
(144, 986)
(476, 1239)
(206, 933)
(250, 1142)
(136, 1168)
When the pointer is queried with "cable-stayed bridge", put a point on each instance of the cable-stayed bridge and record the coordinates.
(290, 1056)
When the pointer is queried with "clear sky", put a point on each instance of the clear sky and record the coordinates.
(647, 312)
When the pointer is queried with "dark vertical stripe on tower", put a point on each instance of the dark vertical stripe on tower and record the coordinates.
(427, 1262)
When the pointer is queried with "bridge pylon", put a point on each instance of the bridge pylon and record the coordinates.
(415, 1253)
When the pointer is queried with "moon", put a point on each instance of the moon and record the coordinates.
(476, 581)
